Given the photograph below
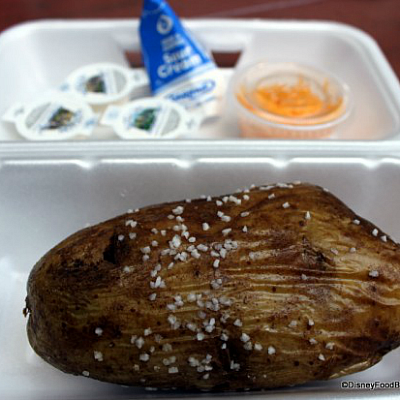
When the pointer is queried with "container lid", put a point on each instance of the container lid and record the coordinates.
(55, 116)
(150, 118)
(105, 83)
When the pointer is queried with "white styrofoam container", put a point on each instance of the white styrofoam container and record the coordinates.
(46, 196)
(49, 190)
(37, 56)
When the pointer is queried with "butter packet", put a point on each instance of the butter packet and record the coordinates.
(54, 116)
(102, 84)
(179, 68)
(150, 118)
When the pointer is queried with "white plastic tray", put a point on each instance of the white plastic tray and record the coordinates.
(35, 57)
(46, 196)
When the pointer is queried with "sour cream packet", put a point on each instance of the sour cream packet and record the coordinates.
(179, 67)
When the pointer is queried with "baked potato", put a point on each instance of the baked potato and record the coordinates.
(268, 287)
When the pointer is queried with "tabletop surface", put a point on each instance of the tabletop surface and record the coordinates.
(379, 18)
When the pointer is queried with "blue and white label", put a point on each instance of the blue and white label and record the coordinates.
(196, 92)
(170, 53)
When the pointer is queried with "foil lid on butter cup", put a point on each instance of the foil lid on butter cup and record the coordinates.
(107, 83)
(150, 118)
(55, 116)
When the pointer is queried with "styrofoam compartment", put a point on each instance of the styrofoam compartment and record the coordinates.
(38, 56)
(49, 196)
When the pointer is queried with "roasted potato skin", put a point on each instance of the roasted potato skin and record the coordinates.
(305, 290)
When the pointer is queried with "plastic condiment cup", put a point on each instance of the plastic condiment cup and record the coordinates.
(279, 121)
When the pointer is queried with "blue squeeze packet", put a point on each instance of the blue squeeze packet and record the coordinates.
(179, 68)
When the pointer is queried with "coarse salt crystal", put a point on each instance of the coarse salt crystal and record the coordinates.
(202, 247)
(145, 250)
(171, 319)
(271, 196)
(226, 232)
(153, 296)
(308, 215)
(375, 232)
(195, 254)
(178, 210)
(356, 222)
(286, 205)
(139, 342)
(166, 348)
(205, 226)
(244, 337)
(224, 337)
(248, 346)
(374, 274)
(235, 366)
(131, 223)
(271, 350)
(191, 297)
(173, 370)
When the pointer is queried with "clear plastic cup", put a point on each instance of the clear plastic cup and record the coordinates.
(289, 101)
